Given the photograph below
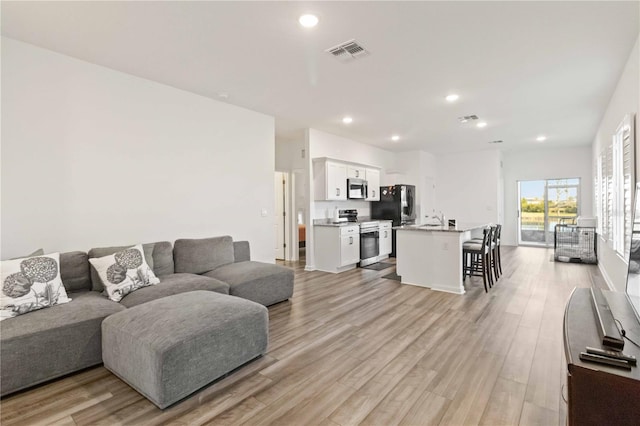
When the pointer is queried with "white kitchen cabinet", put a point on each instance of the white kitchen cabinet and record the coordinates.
(337, 248)
(358, 172)
(329, 180)
(373, 184)
(385, 239)
(349, 249)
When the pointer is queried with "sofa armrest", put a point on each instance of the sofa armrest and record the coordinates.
(241, 251)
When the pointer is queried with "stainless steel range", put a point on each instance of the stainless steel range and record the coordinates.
(369, 242)
(369, 237)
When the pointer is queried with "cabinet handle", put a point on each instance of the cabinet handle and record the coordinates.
(374, 193)
(337, 192)
(350, 240)
(357, 173)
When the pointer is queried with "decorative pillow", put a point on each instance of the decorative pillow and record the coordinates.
(124, 272)
(31, 283)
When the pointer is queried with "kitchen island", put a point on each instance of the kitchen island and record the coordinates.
(431, 256)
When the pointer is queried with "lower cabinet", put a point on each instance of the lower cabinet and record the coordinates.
(337, 248)
(385, 238)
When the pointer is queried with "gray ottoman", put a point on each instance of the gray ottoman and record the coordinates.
(168, 348)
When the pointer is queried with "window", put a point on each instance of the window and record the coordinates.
(543, 204)
(614, 184)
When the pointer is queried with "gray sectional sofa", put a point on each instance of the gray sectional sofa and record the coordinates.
(52, 342)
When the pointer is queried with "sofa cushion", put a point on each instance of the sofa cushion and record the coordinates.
(158, 256)
(74, 270)
(264, 283)
(124, 272)
(30, 284)
(174, 284)
(197, 256)
(241, 251)
(52, 342)
(162, 258)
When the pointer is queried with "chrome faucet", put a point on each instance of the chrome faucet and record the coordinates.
(438, 218)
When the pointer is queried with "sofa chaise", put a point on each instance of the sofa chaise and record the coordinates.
(52, 342)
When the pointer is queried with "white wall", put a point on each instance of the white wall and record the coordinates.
(544, 163)
(417, 168)
(467, 186)
(93, 157)
(625, 100)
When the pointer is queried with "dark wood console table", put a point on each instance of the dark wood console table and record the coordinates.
(599, 394)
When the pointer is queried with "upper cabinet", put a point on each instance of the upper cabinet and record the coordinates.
(373, 184)
(330, 179)
(357, 172)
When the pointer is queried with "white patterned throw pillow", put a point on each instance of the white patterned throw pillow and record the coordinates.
(124, 272)
(29, 284)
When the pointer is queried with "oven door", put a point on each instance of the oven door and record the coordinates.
(369, 244)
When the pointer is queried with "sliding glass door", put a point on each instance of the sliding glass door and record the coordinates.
(544, 204)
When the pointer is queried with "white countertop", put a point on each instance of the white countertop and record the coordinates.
(328, 222)
(460, 227)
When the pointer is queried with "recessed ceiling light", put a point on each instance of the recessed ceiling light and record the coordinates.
(347, 120)
(452, 97)
(541, 138)
(308, 21)
(395, 138)
(482, 124)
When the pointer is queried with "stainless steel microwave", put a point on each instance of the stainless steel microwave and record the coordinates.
(356, 189)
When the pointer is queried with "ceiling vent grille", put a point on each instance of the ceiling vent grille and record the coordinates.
(348, 51)
(498, 141)
(467, 118)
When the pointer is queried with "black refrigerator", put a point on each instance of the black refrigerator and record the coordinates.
(397, 203)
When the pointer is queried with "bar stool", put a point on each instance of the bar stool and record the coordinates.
(476, 258)
(497, 248)
(496, 263)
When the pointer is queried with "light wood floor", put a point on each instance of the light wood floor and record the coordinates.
(355, 348)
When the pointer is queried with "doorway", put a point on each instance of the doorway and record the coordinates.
(280, 214)
(542, 205)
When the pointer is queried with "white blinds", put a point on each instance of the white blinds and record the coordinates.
(628, 168)
(614, 183)
(609, 192)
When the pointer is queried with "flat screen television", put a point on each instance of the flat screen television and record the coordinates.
(633, 276)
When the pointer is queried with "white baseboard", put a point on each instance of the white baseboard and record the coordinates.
(606, 277)
(309, 268)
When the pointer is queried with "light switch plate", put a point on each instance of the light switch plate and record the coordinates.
(263, 213)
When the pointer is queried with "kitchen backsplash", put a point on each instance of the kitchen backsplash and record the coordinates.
(324, 209)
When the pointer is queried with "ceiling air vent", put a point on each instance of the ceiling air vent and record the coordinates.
(499, 141)
(467, 118)
(348, 51)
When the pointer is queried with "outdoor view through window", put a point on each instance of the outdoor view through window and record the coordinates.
(543, 205)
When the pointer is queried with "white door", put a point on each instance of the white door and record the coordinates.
(349, 249)
(279, 214)
(336, 181)
(385, 240)
(373, 181)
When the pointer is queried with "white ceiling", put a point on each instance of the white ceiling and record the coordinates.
(526, 68)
